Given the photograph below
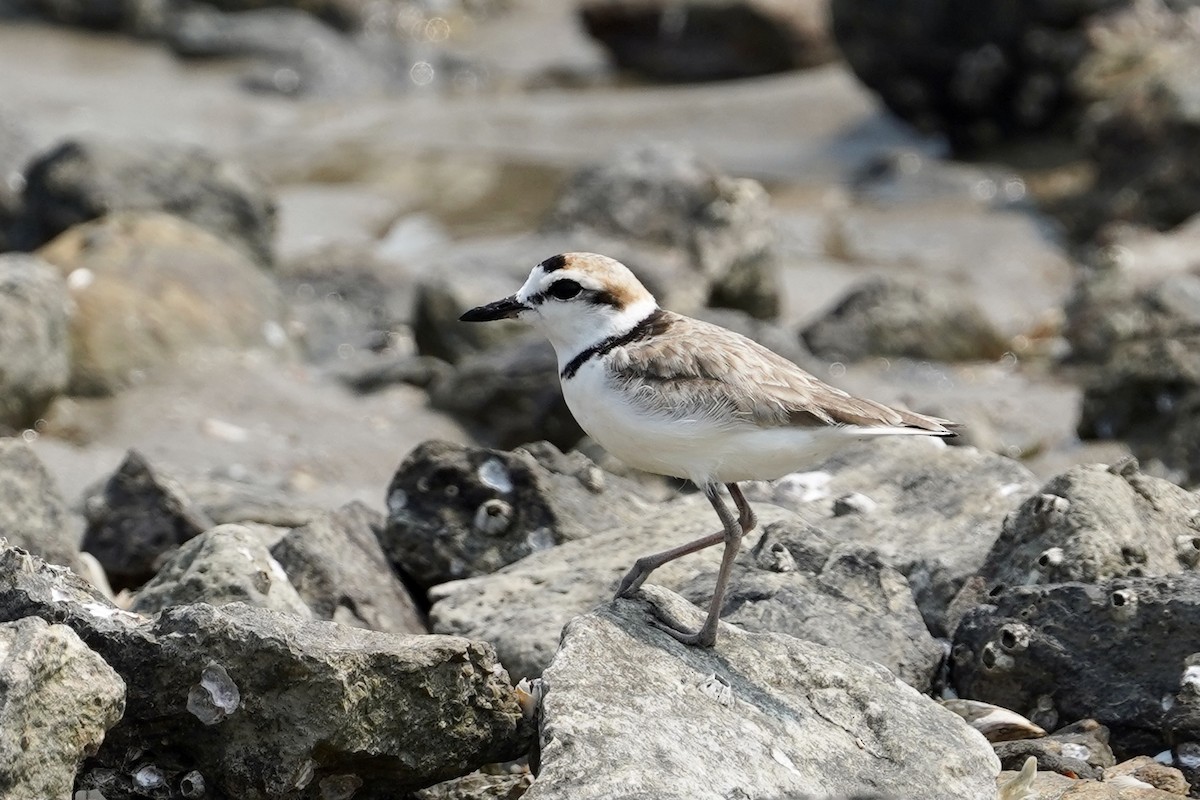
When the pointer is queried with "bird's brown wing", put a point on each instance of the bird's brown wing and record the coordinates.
(689, 368)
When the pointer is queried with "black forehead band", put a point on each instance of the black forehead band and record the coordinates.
(554, 262)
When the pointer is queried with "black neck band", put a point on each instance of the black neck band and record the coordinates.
(638, 331)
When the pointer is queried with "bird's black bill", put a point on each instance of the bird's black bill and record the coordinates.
(507, 308)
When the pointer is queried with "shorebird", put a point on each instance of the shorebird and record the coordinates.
(676, 396)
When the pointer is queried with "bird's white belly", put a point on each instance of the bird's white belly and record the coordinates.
(701, 449)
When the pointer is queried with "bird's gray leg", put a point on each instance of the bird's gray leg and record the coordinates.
(646, 564)
(734, 530)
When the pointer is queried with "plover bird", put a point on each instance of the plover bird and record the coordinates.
(675, 396)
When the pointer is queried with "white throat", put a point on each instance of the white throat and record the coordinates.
(581, 332)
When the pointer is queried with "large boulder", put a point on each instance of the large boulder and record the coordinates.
(82, 179)
(759, 715)
(57, 699)
(456, 511)
(665, 196)
(33, 514)
(1093, 523)
(256, 704)
(34, 342)
(227, 564)
(981, 72)
(148, 286)
(704, 40)
(339, 568)
(1118, 651)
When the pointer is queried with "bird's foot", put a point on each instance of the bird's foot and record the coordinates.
(633, 580)
(705, 637)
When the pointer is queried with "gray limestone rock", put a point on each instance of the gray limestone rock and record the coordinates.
(1095, 522)
(340, 570)
(138, 518)
(1117, 651)
(34, 338)
(260, 704)
(227, 564)
(57, 699)
(456, 511)
(849, 600)
(932, 512)
(890, 317)
(665, 195)
(33, 515)
(759, 715)
(85, 178)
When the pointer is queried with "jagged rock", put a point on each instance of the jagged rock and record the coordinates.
(930, 511)
(147, 286)
(981, 74)
(706, 40)
(340, 570)
(479, 786)
(522, 608)
(456, 511)
(33, 515)
(889, 317)
(1052, 786)
(796, 581)
(227, 564)
(82, 179)
(1080, 749)
(34, 340)
(57, 698)
(260, 704)
(1093, 523)
(665, 195)
(1116, 651)
(140, 517)
(1147, 770)
(765, 716)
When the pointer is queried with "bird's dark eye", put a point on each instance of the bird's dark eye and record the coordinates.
(564, 289)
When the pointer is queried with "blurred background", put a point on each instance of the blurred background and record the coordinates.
(236, 235)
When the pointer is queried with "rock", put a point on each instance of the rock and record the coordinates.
(226, 499)
(57, 698)
(781, 717)
(260, 704)
(1143, 132)
(148, 286)
(439, 303)
(16, 148)
(980, 75)
(1115, 651)
(703, 40)
(34, 340)
(340, 570)
(1052, 786)
(83, 179)
(887, 317)
(33, 515)
(664, 195)
(456, 511)
(227, 564)
(1093, 523)
(934, 511)
(1147, 770)
(1078, 750)
(848, 600)
(141, 516)
(139, 17)
(995, 723)
(479, 786)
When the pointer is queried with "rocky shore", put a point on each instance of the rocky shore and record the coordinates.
(274, 524)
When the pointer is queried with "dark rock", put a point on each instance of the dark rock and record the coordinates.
(374, 373)
(147, 287)
(227, 564)
(941, 508)
(522, 608)
(981, 73)
(345, 14)
(261, 704)
(83, 179)
(666, 196)
(57, 698)
(34, 340)
(224, 499)
(139, 17)
(33, 515)
(782, 716)
(457, 511)
(337, 565)
(849, 600)
(141, 516)
(16, 148)
(703, 41)
(1113, 651)
(889, 317)
(1093, 523)
(479, 786)
(439, 303)
(1078, 750)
